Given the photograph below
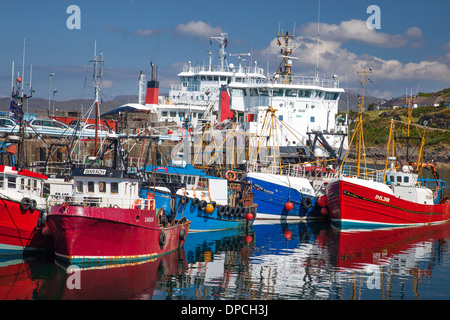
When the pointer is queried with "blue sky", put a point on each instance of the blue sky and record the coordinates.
(410, 52)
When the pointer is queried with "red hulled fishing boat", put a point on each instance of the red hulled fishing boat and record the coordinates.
(22, 203)
(397, 195)
(106, 221)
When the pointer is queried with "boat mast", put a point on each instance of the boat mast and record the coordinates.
(359, 128)
(285, 67)
(97, 90)
(223, 43)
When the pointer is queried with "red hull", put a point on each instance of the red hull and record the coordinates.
(110, 235)
(351, 204)
(357, 249)
(19, 231)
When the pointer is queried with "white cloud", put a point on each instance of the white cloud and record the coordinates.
(334, 58)
(198, 29)
(356, 30)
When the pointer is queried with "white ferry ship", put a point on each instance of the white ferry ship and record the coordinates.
(197, 95)
(304, 109)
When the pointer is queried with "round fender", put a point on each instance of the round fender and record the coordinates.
(195, 202)
(25, 204)
(202, 205)
(306, 202)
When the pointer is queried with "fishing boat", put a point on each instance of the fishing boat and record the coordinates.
(208, 202)
(106, 221)
(394, 196)
(22, 201)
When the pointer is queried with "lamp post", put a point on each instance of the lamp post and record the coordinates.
(54, 93)
(50, 92)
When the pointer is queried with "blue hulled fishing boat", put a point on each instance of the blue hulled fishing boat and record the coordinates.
(210, 203)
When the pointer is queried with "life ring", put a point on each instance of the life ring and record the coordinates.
(25, 204)
(306, 202)
(162, 238)
(230, 175)
(195, 202)
(202, 205)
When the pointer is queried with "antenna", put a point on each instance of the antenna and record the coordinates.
(318, 40)
(23, 67)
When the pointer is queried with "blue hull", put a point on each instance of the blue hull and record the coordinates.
(200, 219)
(271, 199)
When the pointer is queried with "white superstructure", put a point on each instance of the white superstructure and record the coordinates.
(304, 107)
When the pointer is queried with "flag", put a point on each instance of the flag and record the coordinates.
(278, 42)
(14, 111)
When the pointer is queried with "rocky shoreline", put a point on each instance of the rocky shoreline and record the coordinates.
(439, 156)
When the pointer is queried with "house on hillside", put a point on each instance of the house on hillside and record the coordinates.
(428, 101)
(393, 104)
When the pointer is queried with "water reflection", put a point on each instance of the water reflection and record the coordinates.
(267, 262)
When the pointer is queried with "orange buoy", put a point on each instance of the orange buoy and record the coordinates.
(209, 208)
(323, 201)
(324, 211)
(249, 216)
(289, 206)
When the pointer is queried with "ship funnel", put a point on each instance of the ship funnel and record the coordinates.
(153, 87)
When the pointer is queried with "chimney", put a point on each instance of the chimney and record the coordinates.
(152, 87)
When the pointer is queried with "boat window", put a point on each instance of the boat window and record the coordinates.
(307, 93)
(399, 179)
(392, 178)
(312, 119)
(12, 182)
(102, 186)
(280, 117)
(91, 186)
(35, 184)
(406, 179)
(22, 184)
(253, 92)
(114, 187)
(264, 92)
(1, 181)
(237, 92)
(332, 95)
(278, 92)
(291, 92)
(181, 113)
(173, 113)
(80, 186)
(164, 113)
(222, 78)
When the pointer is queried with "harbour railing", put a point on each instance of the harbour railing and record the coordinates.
(104, 201)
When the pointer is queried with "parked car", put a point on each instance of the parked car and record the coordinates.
(88, 131)
(51, 127)
(8, 126)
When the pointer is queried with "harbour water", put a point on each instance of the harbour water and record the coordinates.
(296, 261)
